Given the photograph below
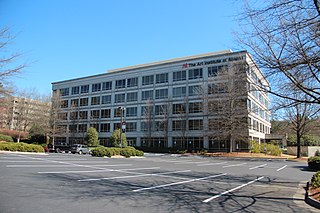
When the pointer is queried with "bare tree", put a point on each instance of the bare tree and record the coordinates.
(8, 67)
(300, 116)
(227, 109)
(180, 110)
(148, 116)
(283, 36)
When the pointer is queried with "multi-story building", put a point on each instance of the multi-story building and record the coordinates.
(20, 113)
(166, 103)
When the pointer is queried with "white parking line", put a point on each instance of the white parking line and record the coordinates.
(18, 161)
(211, 164)
(177, 183)
(231, 190)
(240, 164)
(260, 166)
(282, 168)
(193, 162)
(55, 165)
(134, 176)
(97, 171)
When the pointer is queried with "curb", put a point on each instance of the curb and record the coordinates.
(309, 200)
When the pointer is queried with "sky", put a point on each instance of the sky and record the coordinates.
(66, 39)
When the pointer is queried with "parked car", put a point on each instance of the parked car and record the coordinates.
(80, 149)
(59, 148)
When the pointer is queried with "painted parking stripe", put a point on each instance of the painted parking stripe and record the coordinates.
(134, 176)
(231, 190)
(260, 166)
(212, 164)
(282, 168)
(240, 164)
(192, 162)
(59, 165)
(178, 183)
(85, 171)
(100, 170)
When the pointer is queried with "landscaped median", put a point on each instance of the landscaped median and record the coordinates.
(127, 152)
(20, 147)
(313, 188)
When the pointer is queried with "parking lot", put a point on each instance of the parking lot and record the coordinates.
(155, 183)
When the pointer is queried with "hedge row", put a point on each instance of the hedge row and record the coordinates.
(270, 149)
(314, 163)
(127, 152)
(20, 147)
(315, 180)
(6, 138)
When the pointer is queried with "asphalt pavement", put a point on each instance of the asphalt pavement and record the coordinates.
(155, 183)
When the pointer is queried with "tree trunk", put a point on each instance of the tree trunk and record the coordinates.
(298, 145)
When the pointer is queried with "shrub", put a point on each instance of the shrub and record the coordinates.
(315, 180)
(92, 137)
(317, 153)
(255, 147)
(273, 150)
(20, 147)
(6, 138)
(115, 138)
(100, 151)
(314, 163)
(139, 153)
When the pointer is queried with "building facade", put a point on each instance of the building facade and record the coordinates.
(168, 103)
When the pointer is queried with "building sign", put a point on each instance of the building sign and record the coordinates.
(201, 63)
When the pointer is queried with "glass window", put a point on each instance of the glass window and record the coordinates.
(83, 114)
(107, 85)
(85, 89)
(120, 98)
(147, 111)
(96, 126)
(131, 111)
(214, 71)
(179, 75)
(132, 82)
(195, 107)
(96, 87)
(82, 127)
(161, 110)
(179, 92)
(131, 127)
(195, 90)
(132, 96)
(147, 80)
(178, 108)
(105, 127)
(195, 73)
(178, 125)
(74, 115)
(162, 78)
(121, 83)
(64, 104)
(64, 92)
(75, 90)
(83, 101)
(95, 114)
(106, 99)
(195, 124)
(95, 100)
(62, 116)
(105, 113)
(161, 93)
(147, 95)
(74, 102)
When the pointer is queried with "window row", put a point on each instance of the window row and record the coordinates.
(163, 110)
(177, 125)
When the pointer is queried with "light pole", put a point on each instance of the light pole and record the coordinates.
(122, 126)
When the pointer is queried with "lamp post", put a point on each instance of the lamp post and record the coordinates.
(122, 126)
